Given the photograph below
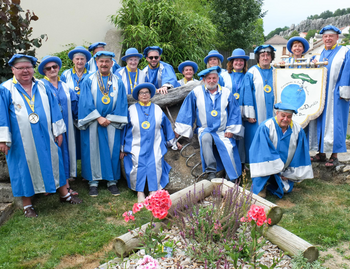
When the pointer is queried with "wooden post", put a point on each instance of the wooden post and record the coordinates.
(273, 211)
(291, 243)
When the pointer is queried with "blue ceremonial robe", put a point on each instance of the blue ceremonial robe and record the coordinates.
(274, 154)
(146, 147)
(292, 60)
(34, 159)
(91, 66)
(123, 74)
(72, 80)
(198, 105)
(256, 102)
(328, 132)
(68, 103)
(233, 81)
(163, 75)
(101, 145)
(183, 81)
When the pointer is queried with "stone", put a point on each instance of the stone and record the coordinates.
(6, 193)
(113, 39)
(339, 167)
(6, 210)
(4, 172)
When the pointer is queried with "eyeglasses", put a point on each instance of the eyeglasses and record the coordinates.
(24, 68)
(144, 93)
(155, 57)
(54, 67)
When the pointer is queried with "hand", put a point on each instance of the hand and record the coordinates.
(103, 121)
(283, 62)
(179, 146)
(284, 178)
(59, 140)
(314, 61)
(4, 148)
(162, 90)
(251, 120)
(122, 155)
(228, 135)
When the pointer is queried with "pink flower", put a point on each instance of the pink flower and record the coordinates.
(137, 207)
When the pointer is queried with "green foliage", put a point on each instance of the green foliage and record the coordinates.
(15, 34)
(182, 34)
(236, 22)
(292, 34)
(276, 32)
(300, 262)
(310, 34)
(346, 41)
(328, 14)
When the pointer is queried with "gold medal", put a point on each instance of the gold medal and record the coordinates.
(267, 88)
(145, 125)
(105, 99)
(214, 113)
(33, 118)
(236, 95)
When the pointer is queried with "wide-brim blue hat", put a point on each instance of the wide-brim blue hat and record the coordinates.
(257, 49)
(18, 56)
(146, 50)
(238, 54)
(188, 63)
(300, 39)
(48, 59)
(131, 52)
(104, 53)
(79, 49)
(150, 86)
(209, 70)
(330, 28)
(95, 45)
(285, 107)
(213, 53)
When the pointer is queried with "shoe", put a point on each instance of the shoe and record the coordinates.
(211, 176)
(72, 192)
(114, 190)
(73, 200)
(93, 192)
(30, 213)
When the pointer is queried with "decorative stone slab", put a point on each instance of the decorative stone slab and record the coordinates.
(6, 193)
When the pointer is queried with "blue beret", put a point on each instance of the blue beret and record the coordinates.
(188, 63)
(285, 106)
(257, 49)
(18, 56)
(213, 53)
(105, 53)
(96, 44)
(131, 52)
(47, 59)
(146, 50)
(79, 49)
(150, 86)
(238, 54)
(205, 72)
(330, 28)
(300, 39)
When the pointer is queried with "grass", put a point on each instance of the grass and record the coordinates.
(64, 230)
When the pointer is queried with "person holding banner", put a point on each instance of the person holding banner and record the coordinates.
(279, 154)
(256, 95)
(297, 46)
(327, 133)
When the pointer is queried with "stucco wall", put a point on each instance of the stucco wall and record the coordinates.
(70, 21)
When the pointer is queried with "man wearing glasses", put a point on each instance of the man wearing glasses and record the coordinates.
(159, 73)
(31, 128)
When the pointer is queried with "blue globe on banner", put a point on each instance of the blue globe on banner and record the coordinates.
(293, 94)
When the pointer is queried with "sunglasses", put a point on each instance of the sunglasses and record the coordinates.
(155, 57)
(54, 67)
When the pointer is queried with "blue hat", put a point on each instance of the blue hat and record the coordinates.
(300, 39)
(188, 63)
(93, 46)
(285, 106)
(145, 52)
(213, 53)
(47, 59)
(150, 86)
(207, 71)
(330, 28)
(104, 53)
(238, 54)
(15, 57)
(257, 49)
(79, 49)
(131, 52)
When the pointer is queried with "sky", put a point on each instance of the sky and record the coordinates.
(282, 13)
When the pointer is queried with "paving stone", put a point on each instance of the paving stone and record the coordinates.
(4, 172)
(6, 210)
(6, 193)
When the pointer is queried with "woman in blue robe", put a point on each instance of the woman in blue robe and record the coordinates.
(214, 58)
(188, 69)
(297, 46)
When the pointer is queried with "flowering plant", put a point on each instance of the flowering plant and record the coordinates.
(147, 263)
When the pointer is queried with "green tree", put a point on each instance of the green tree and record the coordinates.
(310, 34)
(276, 32)
(15, 34)
(326, 14)
(183, 35)
(292, 34)
(236, 21)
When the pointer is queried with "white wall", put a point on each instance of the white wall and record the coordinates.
(70, 21)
